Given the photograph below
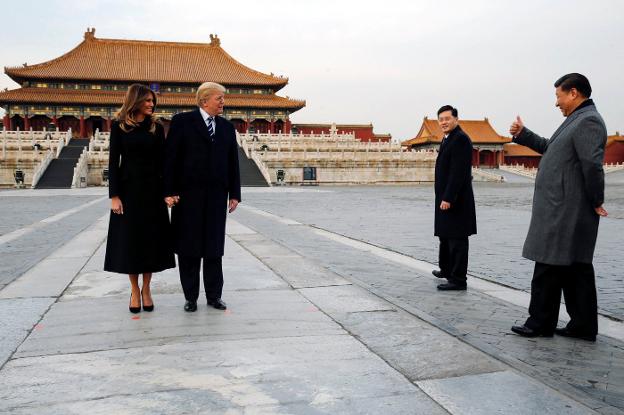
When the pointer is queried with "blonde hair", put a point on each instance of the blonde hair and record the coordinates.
(136, 95)
(206, 89)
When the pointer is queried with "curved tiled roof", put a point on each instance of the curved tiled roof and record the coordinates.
(614, 138)
(147, 61)
(479, 131)
(97, 97)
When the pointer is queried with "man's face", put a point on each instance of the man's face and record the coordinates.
(213, 103)
(447, 121)
(567, 101)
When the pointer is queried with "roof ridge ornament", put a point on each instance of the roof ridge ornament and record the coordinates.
(90, 33)
(214, 40)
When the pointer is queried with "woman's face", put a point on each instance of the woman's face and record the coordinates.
(147, 107)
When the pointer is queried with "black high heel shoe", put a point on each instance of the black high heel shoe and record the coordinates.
(147, 307)
(133, 309)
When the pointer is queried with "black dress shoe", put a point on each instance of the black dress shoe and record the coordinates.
(190, 306)
(217, 303)
(438, 273)
(565, 332)
(525, 331)
(451, 286)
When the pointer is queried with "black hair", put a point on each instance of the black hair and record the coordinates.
(448, 108)
(576, 81)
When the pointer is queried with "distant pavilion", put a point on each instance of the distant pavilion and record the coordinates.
(488, 150)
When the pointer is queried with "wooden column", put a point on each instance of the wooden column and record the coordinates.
(7, 121)
(287, 127)
(26, 123)
(54, 120)
(272, 127)
(108, 124)
(83, 127)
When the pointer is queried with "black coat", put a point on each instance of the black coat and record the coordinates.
(139, 240)
(453, 184)
(204, 172)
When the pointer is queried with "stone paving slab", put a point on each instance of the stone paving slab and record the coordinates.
(239, 373)
(84, 325)
(345, 299)
(19, 316)
(46, 279)
(298, 271)
(500, 393)
(29, 248)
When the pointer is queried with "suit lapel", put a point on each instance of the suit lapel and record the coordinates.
(200, 125)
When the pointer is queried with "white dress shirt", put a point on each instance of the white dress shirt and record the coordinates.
(205, 116)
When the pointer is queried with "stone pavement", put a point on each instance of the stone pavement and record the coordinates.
(36, 222)
(591, 373)
(314, 326)
(400, 218)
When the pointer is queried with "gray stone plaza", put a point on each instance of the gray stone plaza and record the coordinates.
(331, 310)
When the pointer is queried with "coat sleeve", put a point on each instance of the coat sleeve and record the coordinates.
(114, 162)
(529, 139)
(234, 170)
(460, 169)
(589, 144)
(171, 158)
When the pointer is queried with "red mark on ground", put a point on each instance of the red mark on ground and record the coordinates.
(227, 312)
(38, 327)
(136, 318)
(312, 308)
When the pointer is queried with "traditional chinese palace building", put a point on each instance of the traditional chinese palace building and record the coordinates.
(487, 144)
(362, 132)
(83, 88)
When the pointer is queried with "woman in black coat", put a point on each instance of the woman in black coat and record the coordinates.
(139, 239)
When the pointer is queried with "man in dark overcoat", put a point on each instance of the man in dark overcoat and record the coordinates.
(455, 217)
(202, 183)
(567, 206)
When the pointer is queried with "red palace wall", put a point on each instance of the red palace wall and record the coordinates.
(614, 153)
(525, 161)
(364, 133)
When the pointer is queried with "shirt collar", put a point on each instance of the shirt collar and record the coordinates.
(205, 115)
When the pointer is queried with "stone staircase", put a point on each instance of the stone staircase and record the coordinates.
(249, 172)
(60, 172)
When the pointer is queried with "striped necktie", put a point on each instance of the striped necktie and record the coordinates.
(210, 120)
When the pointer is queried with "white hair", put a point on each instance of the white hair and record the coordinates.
(208, 88)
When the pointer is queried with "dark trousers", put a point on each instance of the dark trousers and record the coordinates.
(189, 277)
(577, 282)
(453, 259)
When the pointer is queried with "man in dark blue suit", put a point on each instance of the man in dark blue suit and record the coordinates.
(202, 182)
(455, 218)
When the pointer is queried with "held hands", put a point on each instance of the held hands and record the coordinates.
(171, 200)
(232, 205)
(516, 126)
(116, 205)
(601, 211)
(445, 205)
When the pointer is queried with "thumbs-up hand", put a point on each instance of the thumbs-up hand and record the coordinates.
(516, 126)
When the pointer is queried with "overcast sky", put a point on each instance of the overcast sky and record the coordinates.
(386, 62)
